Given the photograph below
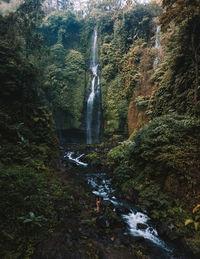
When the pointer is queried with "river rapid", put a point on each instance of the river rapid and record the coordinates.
(135, 223)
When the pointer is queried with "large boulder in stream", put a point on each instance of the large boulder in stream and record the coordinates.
(142, 226)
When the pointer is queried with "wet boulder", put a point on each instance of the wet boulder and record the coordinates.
(142, 226)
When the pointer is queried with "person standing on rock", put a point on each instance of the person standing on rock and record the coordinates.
(98, 200)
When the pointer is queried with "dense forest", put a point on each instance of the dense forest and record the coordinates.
(127, 72)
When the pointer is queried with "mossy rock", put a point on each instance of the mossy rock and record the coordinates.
(93, 158)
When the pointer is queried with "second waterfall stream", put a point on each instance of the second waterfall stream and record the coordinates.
(93, 113)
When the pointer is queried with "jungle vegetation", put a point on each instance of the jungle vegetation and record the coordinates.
(45, 78)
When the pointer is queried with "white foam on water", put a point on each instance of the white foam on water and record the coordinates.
(135, 218)
(69, 155)
(102, 188)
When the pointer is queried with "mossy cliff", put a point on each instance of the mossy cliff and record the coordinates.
(123, 37)
(159, 168)
(67, 76)
(125, 56)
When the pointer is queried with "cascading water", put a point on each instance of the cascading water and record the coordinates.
(101, 187)
(93, 114)
(157, 44)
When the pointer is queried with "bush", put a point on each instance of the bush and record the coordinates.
(120, 154)
(161, 165)
(24, 194)
(168, 145)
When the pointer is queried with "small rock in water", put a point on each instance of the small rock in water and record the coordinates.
(151, 229)
(141, 226)
(84, 237)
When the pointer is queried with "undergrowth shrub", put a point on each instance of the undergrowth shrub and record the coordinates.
(24, 194)
(160, 166)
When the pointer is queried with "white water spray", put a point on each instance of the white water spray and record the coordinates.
(93, 121)
(76, 160)
(157, 45)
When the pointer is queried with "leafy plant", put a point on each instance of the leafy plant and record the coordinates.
(35, 220)
(196, 218)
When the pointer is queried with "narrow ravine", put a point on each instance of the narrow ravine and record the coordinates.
(139, 225)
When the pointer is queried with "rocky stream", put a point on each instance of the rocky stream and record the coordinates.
(107, 225)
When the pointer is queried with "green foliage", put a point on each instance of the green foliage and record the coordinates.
(62, 27)
(67, 194)
(34, 220)
(66, 78)
(122, 174)
(72, 96)
(117, 106)
(123, 37)
(23, 190)
(160, 164)
(120, 154)
(27, 135)
(94, 158)
(169, 144)
(196, 218)
(179, 82)
(65, 90)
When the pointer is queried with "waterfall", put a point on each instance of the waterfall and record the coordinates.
(93, 114)
(157, 44)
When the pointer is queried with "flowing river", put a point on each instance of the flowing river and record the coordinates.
(138, 223)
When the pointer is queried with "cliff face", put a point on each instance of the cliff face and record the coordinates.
(67, 75)
(142, 101)
(125, 38)
(126, 56)
(160, 166)
(137, 111)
